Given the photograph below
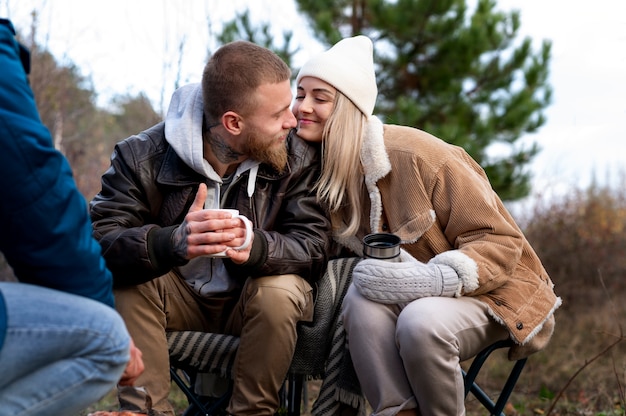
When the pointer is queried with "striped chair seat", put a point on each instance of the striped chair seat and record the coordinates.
(203, 352)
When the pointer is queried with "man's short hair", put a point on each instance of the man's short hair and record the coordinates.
(233, 74)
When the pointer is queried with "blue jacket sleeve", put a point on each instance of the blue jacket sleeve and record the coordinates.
(45, 228)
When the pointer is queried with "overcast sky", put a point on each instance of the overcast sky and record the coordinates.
(132, 46)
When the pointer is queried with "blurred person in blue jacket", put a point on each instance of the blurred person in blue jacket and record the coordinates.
(62, 344)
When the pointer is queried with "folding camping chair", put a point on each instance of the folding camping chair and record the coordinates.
(192, 352)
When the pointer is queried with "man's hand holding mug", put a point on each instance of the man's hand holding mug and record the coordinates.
(213, 232)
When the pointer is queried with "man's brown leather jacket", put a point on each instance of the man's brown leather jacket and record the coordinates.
(148, 190)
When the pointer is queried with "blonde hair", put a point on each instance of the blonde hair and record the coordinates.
(341, 181)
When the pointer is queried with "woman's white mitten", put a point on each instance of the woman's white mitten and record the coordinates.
(397, 282)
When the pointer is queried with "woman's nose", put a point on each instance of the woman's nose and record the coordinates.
(305, 106)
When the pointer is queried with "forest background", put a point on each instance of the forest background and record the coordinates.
(468, 76)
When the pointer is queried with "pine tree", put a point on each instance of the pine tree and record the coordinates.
(241, 28)
(461, 75)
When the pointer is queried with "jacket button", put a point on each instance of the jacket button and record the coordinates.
(519, 326)
(385, 227)
(498, 303)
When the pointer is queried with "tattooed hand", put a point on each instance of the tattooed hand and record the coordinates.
(206, 232)
(179, 240)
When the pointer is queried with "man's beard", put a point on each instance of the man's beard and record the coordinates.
(272, 152)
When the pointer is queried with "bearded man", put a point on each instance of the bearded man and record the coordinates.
(225, 143)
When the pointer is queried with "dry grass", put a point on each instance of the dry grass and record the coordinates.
(595, 385)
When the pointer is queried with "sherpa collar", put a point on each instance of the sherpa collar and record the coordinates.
(376, 165)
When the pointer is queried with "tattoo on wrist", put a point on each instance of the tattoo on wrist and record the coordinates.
(179, 240)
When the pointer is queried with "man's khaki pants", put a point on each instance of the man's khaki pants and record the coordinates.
(264, 315)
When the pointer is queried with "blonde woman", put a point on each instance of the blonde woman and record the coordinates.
(468, 276)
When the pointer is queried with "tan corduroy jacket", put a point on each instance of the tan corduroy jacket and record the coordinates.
(441, 204)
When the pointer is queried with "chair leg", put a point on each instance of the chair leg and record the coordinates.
(291, 396)
(294, 400)
(471, 386)
(509, 386)
(478, 362)
(191, 397)
(196, 406)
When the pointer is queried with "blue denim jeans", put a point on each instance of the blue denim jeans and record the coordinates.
(62, 352)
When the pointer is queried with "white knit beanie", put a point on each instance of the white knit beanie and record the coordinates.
(349, 67)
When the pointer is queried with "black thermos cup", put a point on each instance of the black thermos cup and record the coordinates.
(381, 246)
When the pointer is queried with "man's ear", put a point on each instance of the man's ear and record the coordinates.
(232, 122)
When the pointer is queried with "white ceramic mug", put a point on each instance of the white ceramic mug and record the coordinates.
(248, 224)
